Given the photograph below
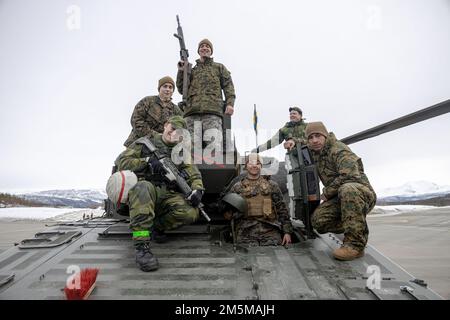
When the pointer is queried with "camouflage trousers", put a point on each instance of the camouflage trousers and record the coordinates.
(198, 125)
(154, 206)
(256, 233)
(346, 214)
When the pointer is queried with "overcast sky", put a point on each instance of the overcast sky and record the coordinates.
(72, 72)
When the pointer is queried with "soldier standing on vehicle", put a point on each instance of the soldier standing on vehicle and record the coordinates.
(266, 221)
(293, 132)
(152, 112)
(205, 101)
(155, 205)
(347, 194)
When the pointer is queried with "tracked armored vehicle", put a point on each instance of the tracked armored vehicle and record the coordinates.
(200, 262)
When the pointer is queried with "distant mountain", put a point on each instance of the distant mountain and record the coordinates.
(416, 192)
(10, 200)
(87, 198)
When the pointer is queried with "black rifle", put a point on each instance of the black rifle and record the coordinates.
(172, 174)
(306, 186)
(187, 67)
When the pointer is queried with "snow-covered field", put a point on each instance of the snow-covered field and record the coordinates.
(43, 213)
(413, 188)
(386, 211)
(70, 214)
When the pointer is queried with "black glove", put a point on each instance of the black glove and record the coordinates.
(195, 197)
(157, 166)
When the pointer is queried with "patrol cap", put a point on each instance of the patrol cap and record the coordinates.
(205, 41)
(165, 80)
(316, 127)
(177, 122)
(296, 109)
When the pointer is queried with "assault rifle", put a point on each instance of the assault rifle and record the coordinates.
(172, 174)
(187, 67)
(305, 180)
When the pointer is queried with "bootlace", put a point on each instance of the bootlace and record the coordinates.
(144, 247)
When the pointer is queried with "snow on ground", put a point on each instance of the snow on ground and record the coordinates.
(413, 188)
(399, 209)
(43, 213)
(73, 214)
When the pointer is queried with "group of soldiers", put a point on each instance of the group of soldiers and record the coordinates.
(156, 206)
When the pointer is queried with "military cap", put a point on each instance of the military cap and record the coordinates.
(205, 41)
(296, 109)
(177, 122)
(165, 80)
(316, 127)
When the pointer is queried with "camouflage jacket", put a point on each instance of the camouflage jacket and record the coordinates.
(135, 158)
(207, 81)
(336, 165)
(291, 130)
(250, 188)
(149, 116)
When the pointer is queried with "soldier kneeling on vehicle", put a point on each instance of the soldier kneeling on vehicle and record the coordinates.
(347, 194)
(265, 220)
(156, 204)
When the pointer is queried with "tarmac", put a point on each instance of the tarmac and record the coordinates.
(14, 231)
(418, 241)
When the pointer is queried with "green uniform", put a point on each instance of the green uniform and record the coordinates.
(349, 193)
(291, 130)
(267, 214)
(208, 80)
(149, 116)
(152, 201)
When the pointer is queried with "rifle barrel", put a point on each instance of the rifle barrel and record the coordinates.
(204, 213)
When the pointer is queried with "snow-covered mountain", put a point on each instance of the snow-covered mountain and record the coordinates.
(415, 190)
(86, 198)
(90, 198)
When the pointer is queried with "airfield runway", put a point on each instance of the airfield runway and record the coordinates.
(419, 241)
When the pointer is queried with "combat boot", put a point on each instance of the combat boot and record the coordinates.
(145, 258)
(347, 253)
(159, 236)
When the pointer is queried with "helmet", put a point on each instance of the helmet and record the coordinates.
(236, 201)
(119, 184)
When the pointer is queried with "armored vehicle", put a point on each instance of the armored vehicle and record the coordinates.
(200, 262)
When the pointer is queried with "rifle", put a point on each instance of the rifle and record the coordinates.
(186, 67)
(173, 175)
(306, 186)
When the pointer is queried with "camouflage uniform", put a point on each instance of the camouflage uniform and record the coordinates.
(149, 116)
(349, 193)
(152, 202)
(205, 122)
(204, 101)
(267, 214)
(292, 130)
